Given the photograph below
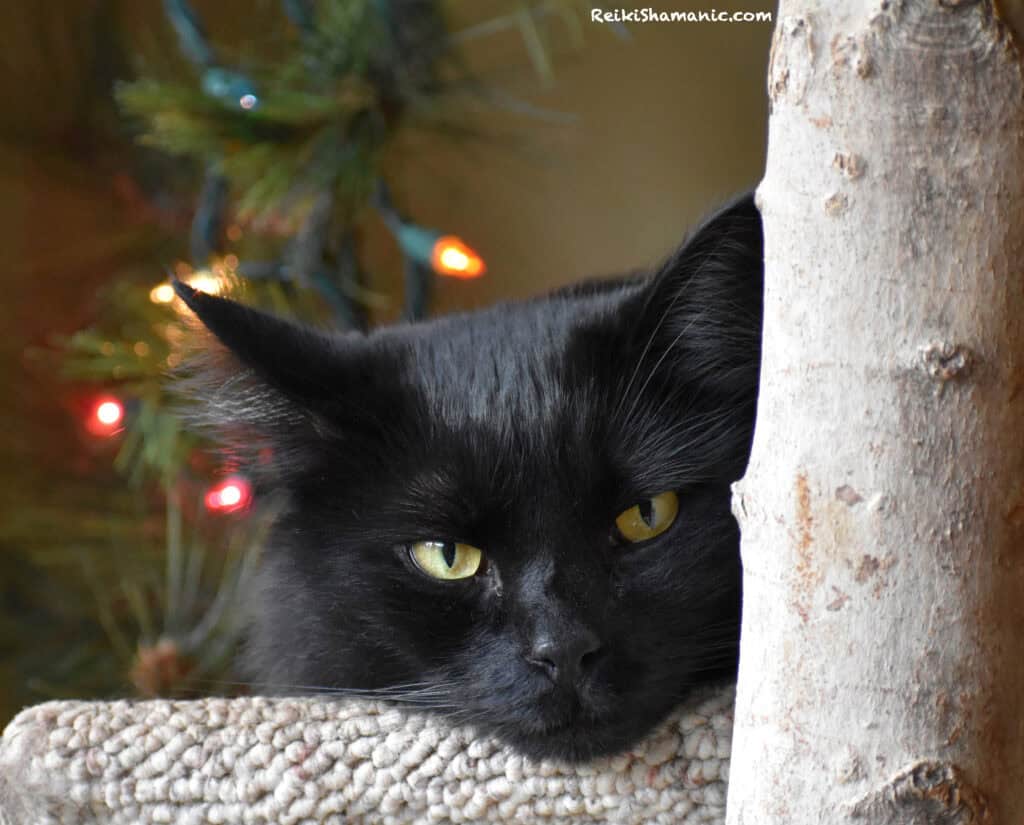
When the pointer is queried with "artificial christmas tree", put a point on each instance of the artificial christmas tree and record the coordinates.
(255, 176)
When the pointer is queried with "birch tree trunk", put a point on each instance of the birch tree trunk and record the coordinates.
(882, 665)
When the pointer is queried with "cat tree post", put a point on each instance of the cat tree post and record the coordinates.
(882, 666)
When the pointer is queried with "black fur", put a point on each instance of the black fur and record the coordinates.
(523, 429)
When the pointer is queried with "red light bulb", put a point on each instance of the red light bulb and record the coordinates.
(229, 495)
(106, 416)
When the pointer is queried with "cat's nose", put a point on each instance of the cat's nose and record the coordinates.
(565, 657)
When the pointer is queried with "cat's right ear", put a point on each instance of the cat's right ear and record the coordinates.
(306, 365)
(261, 381)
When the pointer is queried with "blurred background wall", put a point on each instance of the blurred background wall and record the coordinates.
(639, 137)
(665, 126)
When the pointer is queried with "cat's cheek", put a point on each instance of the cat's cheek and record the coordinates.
(617, 584)
(644, 567)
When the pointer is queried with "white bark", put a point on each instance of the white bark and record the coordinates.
(882, 664)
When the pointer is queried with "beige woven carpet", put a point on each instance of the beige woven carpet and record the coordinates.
(303, 761)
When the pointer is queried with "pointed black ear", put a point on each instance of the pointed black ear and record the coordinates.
(700, 316)
(297, 361)
(277, 395)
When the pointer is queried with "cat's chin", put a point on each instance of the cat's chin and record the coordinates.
(581, 740)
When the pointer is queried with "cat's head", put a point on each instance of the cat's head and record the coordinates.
(518, 517)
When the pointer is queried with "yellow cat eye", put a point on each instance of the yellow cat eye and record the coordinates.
(650, 518)
(447, 560)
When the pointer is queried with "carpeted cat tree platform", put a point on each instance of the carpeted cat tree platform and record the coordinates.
(263, 761)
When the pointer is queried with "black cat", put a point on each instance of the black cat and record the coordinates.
(517, 517)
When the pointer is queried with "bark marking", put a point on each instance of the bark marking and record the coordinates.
(944, 361)
(836, 204)
(966, 28)
(848, 495)
(866, 569)
(839, 602)
(849, 164)
(804, 519)
(791, 60)
(807, 579)
(925, 793)
(852, 52)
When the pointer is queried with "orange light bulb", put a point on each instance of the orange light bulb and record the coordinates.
(162, 294)
(451, 256)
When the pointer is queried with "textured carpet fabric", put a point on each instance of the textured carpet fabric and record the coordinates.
(304, 761)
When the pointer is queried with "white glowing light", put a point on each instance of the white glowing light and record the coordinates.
(205, 281)
(109, 413)
(230, 495)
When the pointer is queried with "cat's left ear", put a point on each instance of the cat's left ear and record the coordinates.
(701, 313)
